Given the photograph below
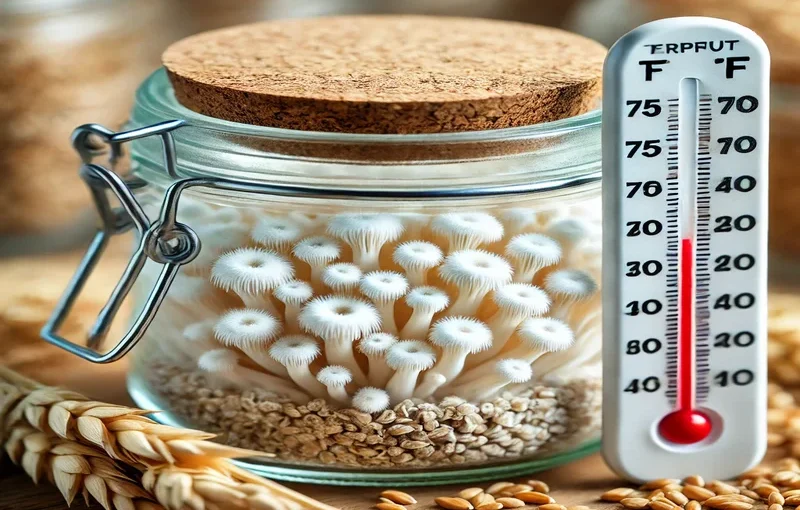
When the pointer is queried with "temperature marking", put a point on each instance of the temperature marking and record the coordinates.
(686, 424)
(685, 104)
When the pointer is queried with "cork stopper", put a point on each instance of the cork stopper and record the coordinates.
(387, 74)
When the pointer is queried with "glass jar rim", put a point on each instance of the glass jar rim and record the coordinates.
(559, 154)
(156, 93)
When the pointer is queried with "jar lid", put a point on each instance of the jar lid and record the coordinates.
(387, 74)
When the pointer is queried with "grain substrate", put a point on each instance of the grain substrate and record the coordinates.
(531, 421)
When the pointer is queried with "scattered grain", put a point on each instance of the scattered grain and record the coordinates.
(453, 503)
(399, 497)
(510, 502)
(677, 497)
(498, 487)
(658, 483)
(721, 488)
(697, 492)
(661, 505)
(539, 486)
(552, 506)
(635, 503)
(775, 506)
(494, 505)
(617, 495)
(695, 480)
(776, 498)
(693, 505)
(470, 493)
(389, 506)
(533, 497)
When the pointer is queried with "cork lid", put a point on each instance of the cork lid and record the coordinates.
(387, 74)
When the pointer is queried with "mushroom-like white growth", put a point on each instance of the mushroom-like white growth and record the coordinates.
(467, 231)
(519, 220)
(191, 297)
(384, 288)
(296, 352)
(515, 303)
(371, 400)
(222, 366)
(339, 321)
(569, 233)
(342, 278)
(431, 382)
(425, 302)
(336, 378)
(541, 335)
(538, 335)
(457, 337)
(276, 232)
(408, 358)
(214, 240)
(312, 223)
(251, 331)
(475, 273)
(416, 258)
(374, 346)
(197, 338)
(568, 287)
(506, 371)
(587, 346)
(252, 274)
(190, 210)
(225, 367)
(293, 294)
(227, 216)
(531, 252)
(414, 223)
(366, 234)
(317, 252)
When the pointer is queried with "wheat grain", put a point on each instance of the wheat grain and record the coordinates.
(400, 497)
(510, 502)
(453, 503)
(617, 495)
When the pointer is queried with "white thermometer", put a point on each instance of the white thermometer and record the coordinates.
(685, 124)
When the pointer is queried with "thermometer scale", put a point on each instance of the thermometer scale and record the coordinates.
(685, 123)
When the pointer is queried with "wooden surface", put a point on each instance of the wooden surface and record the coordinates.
(28, 289)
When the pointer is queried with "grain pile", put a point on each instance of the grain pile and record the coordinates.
(530, 422)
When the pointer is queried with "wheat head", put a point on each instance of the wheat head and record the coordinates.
(76, 469)
(181, 469)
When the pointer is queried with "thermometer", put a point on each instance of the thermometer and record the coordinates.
(685, 123)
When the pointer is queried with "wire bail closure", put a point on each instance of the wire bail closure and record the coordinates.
(165, 241)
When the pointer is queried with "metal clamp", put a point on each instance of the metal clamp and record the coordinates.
(165, 241)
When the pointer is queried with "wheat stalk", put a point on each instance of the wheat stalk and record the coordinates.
(74, 468)
(181, 468)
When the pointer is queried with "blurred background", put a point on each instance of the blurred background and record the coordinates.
(68, 62)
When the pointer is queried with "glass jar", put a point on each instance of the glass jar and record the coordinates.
(370, 309)
(65, 63)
